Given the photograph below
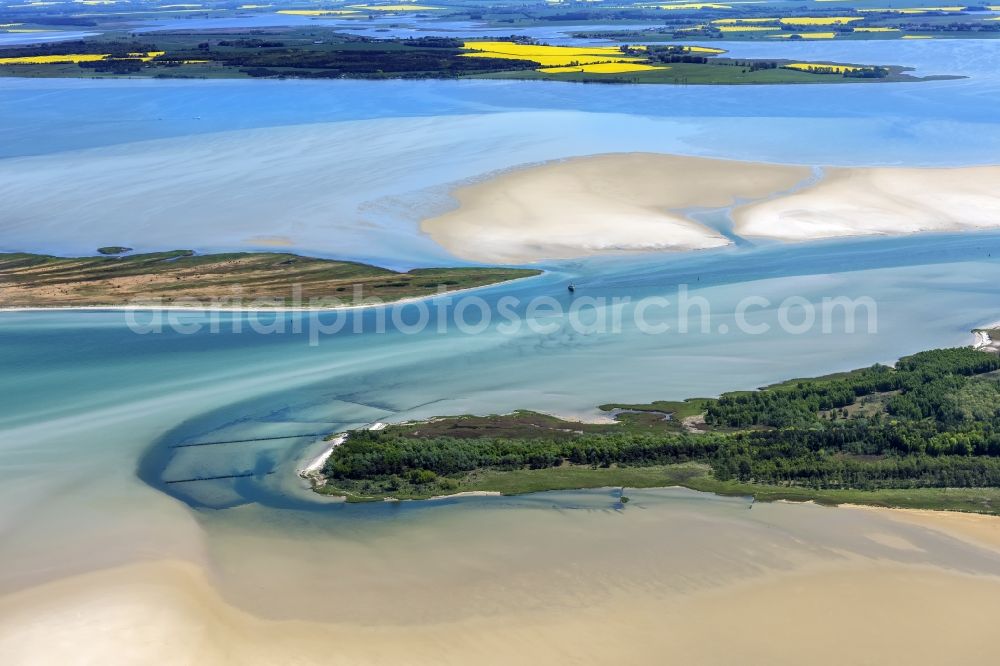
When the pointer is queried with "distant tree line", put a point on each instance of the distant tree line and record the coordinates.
(115, 48)
(253, 43)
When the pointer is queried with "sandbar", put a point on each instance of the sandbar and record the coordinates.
(878, 201)
(641, 202)
(600, 204)
(790, 584)
(168, 612)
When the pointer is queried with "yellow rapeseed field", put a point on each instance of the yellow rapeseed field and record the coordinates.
(146, 56)
(52, 59)
(602, 68)
(917, 37)
(817, 20)
(513, 48)
(548, 60)
(547, 56)
(703, 49)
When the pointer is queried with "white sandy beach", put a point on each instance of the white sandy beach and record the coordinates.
(315, 464)
(598, 204)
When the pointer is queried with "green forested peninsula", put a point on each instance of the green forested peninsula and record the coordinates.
(872, 435)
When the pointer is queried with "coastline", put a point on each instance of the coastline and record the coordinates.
(276, 308)
(317, 462)
(959, 501)
(984, 340)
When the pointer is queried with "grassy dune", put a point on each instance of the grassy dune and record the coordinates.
(33, 280)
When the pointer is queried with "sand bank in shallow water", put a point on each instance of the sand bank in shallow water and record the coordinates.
(879, 201)
(696, 577)
(604, 203)
(981, 530)
(168, 613)
(635, 202)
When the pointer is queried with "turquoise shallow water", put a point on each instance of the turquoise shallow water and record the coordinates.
(930, 291)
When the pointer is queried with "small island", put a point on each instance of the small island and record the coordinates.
(261, 278)
(326, 54)
(922, 434)
(114, 250)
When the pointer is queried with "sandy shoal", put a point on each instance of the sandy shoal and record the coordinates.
(599, 204)
(977, 529)
(167, 612)
(878, 201)
(837, 608)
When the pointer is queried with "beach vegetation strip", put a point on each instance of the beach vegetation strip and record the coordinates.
(183, 276)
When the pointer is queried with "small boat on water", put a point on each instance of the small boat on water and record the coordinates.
(571, 288)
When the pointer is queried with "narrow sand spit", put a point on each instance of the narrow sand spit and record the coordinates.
(603, 203)
(878, 201)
